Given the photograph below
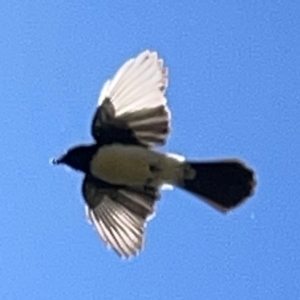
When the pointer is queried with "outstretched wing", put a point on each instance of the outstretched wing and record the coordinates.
(132, 106)
(119, 214)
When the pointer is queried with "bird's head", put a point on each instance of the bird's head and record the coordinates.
(77, 158)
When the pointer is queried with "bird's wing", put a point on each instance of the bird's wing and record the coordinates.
(119, 214)
(132, 105)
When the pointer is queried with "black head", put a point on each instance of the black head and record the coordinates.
(78, 158)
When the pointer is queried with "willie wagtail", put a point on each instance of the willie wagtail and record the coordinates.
(123, 171)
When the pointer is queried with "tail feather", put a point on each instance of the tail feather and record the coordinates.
(223, 184)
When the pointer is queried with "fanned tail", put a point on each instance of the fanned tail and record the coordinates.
(223, 184)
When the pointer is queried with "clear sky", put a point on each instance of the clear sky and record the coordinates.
(234, 92)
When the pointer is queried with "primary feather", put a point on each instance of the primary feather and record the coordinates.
(119, 214)
(135, 96)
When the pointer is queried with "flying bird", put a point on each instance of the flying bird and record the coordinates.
(123, 170)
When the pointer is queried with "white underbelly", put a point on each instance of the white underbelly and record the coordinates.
(120, 164)
(133, 165)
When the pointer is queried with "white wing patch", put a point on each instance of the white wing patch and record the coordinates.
(119, 215)
(140, 83)
(120, 229)
(137, 93)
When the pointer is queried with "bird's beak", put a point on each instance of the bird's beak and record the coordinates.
(56, 161)
(60, 160)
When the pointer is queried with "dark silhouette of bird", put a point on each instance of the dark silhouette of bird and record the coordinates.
(124, 172)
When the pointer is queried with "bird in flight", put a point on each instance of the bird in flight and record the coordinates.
(124, 173)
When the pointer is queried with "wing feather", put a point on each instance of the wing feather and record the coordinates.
(135, 97)
(119, 214)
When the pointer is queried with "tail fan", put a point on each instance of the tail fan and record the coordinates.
(223, 184)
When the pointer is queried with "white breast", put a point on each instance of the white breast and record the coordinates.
(131, 165)
(118, 164)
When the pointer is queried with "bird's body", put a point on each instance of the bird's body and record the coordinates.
(135, 166)
(123, 171)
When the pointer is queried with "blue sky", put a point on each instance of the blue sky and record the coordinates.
(234, 92)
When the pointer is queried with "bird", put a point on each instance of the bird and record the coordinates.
(124, 172)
